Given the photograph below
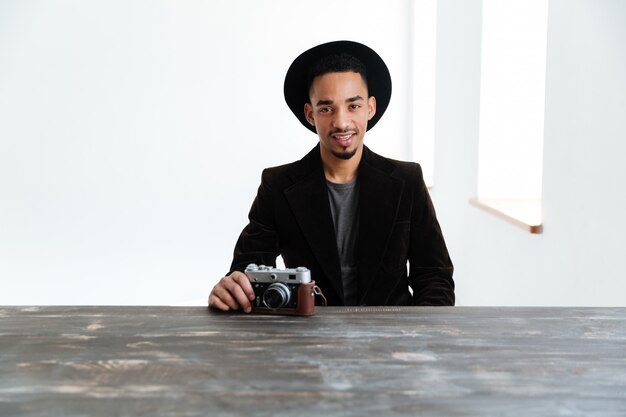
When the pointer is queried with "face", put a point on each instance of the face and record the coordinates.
(340, 109)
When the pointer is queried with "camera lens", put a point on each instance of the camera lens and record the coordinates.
(277, 295)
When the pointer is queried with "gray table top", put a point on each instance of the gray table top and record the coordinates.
(445, 361)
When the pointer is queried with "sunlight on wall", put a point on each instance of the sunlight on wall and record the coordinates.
(422, 122)
(512, 95)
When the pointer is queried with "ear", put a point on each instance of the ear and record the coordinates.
(308, 113)
(371, 106)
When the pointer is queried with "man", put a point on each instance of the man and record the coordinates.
(354, 218)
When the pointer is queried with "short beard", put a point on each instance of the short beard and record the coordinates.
(345, 155)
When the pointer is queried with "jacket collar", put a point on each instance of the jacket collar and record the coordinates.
(379, 198)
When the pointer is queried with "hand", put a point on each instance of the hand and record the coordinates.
(232, 292)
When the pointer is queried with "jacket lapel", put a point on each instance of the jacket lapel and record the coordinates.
(308, 199)
(379, 199)
(380, 195)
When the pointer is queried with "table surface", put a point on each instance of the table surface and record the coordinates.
(366, 361)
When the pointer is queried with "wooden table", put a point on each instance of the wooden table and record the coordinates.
(410, 361)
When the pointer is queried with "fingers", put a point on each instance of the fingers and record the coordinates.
(222, 298)
(244, 284)
(215, 302)
(232, 292)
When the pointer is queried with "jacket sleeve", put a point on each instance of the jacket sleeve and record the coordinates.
(258, 242)
(430, 267)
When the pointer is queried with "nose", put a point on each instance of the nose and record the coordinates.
(341, 119)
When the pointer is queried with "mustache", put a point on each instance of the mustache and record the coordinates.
(349, 129)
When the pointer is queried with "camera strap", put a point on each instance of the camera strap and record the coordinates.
(318, 291)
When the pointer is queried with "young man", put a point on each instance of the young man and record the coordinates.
(354, 218)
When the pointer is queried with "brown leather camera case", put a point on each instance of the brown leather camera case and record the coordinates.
(306, 303)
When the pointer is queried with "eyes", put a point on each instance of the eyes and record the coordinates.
(329, 109)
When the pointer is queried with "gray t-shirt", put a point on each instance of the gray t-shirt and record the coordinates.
(344, 206)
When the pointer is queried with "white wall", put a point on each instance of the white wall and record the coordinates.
(133, 134)
(579, 259)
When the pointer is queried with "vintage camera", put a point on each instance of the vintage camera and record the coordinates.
(282, 291)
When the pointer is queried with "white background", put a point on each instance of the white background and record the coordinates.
(579, 259)
(512, 98)
(133, 134)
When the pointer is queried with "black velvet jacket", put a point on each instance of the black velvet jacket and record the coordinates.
(291, 216)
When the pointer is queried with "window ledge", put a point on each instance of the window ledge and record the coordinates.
(523, 213)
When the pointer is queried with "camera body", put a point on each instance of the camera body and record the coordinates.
(282, 291)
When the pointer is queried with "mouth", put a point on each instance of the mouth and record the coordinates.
(343, 139)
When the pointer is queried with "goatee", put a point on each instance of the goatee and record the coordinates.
(345, 155)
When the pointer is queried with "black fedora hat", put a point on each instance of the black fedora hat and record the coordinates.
(378, 77)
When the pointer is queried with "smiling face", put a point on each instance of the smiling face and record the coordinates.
(339, 109)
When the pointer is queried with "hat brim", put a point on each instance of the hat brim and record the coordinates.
(378, 77)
